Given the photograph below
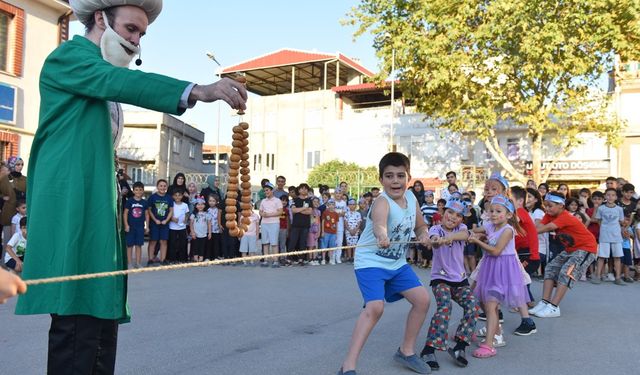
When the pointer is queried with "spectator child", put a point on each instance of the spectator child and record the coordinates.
(21, 211)
(352, 220)
(17, 247)
(566, 268)
(471, 221)
(627, 258)
(574, 209)
(214, 244)
(526, 241)
(500, 279)
(437, 216)
(271, 209)
(611, 217)
(429, 208)
(136, 224)
(301, 221)
(285, 220)
(627, 200)
(341, 209)
(534, 206)
(330, 219)
(200, 225)
(382, 271)
(178, 227)
(314, 230)
(249, 242)
(636, 244)
(160, 211)
(449, 282)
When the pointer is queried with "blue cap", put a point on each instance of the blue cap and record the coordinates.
(504, 201)
(554, 198)
(269, 185)
(331, 201)
(351, 201)
(498, 177)
(458, 206)
(428, 193)
(456, 194)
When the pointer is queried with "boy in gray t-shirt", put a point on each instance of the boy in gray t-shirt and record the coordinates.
(610, 216)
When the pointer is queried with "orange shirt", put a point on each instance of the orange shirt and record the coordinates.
(330, 221)
(572, 233)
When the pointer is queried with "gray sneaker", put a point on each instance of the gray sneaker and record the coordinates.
(619, 282)
(596, 280)
(412, 362)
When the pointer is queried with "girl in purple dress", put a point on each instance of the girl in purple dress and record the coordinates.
(500, 280)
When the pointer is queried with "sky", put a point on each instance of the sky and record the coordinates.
(235, 31)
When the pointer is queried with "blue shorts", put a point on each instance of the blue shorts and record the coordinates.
(377, 284)
(135, 235)
(159, 232)
(626, 257)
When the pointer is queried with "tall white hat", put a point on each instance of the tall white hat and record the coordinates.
(84, 9)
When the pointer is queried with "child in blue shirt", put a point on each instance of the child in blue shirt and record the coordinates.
(135, 217)
(381, 268)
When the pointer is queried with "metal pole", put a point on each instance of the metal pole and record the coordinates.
(393, 68)
(218, 144)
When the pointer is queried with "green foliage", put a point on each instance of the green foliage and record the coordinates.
(532, 64)
(333, 172)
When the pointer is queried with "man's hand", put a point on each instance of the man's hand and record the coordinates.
(383, 242)
(10, 285)
(227, 89)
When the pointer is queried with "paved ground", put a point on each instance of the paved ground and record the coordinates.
(237, 320)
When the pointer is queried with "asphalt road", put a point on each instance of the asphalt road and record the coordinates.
(236, 320)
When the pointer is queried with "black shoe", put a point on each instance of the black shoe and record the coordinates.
(430, 360)
(459, 356)
(525, 329)
(483, 316)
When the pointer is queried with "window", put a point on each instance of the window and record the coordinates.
(176, 144)
(313, 159)
(513, 149)
(192, 151)
(146, 176)
(5, 22)
(11, 39)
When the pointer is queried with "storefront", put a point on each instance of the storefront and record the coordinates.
(576, 174)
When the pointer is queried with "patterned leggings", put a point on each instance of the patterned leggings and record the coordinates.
(438, 334)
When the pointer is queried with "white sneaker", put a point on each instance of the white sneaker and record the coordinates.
(610, 277)
(537, 308)
(549, 311)
(338, 261)
(332, 262)
(323, 262)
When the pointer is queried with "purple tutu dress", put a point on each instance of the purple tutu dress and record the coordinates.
(501, 279)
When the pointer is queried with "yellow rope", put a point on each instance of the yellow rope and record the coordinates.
(60, 279)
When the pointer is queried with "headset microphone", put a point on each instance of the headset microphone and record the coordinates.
(139, 60)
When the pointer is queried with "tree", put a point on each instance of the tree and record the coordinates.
(335, 171)
(533, 65)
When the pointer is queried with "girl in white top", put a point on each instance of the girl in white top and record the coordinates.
(534, 206)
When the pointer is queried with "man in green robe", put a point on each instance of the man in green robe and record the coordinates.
(73, 203)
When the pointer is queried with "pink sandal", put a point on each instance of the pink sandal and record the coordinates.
(484, 351)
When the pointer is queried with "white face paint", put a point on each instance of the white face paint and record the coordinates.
(112, 46)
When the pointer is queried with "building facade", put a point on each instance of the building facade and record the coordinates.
(156, 145)
(29, 31)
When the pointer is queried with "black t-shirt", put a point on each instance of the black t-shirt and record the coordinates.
(471, 219)
(301, 220)
(628, 208)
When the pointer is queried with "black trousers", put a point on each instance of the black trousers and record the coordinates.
(298, 240)
(214, 245)
(82, 345)
(177, 249)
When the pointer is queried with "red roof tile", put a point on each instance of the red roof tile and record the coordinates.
(286, 57)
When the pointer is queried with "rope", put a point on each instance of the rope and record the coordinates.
(87, 276)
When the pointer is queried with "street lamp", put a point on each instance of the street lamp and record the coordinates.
(213, 58)
(393, 81)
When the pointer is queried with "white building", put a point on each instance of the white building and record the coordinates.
(314, 107)
(29, 31)
(625, 88)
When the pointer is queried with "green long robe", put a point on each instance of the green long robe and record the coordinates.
(72, 211)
